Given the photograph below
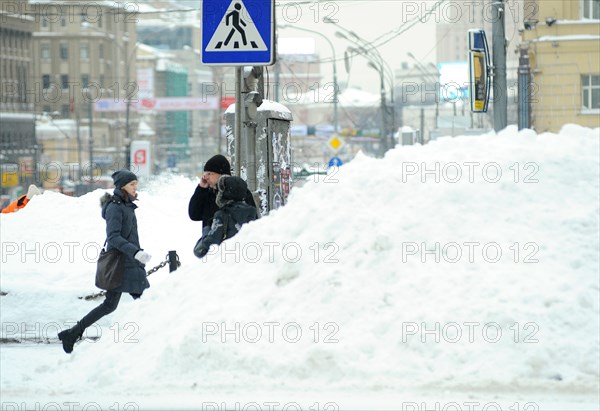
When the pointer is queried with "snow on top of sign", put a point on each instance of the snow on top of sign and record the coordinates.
(267, 105)
(353, 97)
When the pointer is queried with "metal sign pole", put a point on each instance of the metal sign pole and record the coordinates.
(238, 119)
(499, 57)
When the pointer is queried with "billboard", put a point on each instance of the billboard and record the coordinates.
(141, 158)
(145, 82)
(158, 104)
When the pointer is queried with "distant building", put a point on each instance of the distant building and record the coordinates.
(561, 38)
(454, 19)
(18, 145)
(83, 52)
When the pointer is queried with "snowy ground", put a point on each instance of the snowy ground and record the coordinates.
(459, 275)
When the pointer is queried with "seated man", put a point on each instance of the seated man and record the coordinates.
(203, 204)
(232, 214)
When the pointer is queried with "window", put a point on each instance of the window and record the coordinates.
(101, 80)
(590, 90)
(64, 79)
(44, 22)
(45, 51)
(590, 9)
(46, 81)
(85, 80)
(47, 109)
(65, 111)
(64, 51)
(63, 21)
(84, 51)
(101, 50)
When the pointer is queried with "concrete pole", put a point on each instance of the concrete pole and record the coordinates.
(524, 80)
(499, 62)
(79, 155)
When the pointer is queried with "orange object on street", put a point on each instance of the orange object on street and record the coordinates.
(16, 205)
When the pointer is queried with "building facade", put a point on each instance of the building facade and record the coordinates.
(84, 53)
(18, 145)
(561, 39)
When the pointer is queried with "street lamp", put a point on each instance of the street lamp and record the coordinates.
(335, 82)
(370, 52)
(46, 116)
(127, 76)
(427, 75)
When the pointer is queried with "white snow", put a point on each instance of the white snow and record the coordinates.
(336, 298)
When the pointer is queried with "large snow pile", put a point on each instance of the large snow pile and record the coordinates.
(469, 262)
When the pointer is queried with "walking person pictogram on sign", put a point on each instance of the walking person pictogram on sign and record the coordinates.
(236, 20)
(233, 28)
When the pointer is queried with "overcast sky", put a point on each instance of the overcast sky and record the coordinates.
(370, 20)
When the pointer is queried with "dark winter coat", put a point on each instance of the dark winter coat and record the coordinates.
(203, 205)
(122, 233)
(226, 223)
(234, 212)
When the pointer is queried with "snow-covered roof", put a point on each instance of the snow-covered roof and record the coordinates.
(16, 16)
(7, 115)
(353, 97)
(57, 129)
(580, 21)
(146, 52)
(145, 130)
(572, 37)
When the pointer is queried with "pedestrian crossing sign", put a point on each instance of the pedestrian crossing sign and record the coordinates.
(238, 32)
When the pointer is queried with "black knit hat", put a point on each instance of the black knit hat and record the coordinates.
(218, 164)
(123, 177)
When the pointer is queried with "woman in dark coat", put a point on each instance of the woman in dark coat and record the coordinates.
(121, 233)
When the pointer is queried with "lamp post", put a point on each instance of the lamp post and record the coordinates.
(218, 75)
(127, 103)
(128, 60)
(369, 51)
(51, 118)
(335, 82)
(426, 74)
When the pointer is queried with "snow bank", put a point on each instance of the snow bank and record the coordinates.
(469, 262)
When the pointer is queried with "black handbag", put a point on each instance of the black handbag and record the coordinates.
(109, 270)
